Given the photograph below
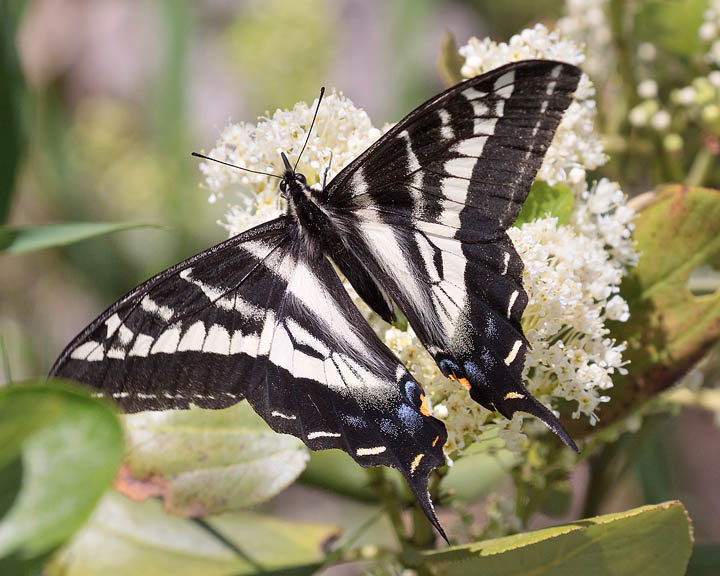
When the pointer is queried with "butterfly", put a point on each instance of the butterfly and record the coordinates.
(418, 221)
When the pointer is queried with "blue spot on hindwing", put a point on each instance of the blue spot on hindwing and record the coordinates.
(412, 420)
(412, 391)
(475, 373)
(448, 367)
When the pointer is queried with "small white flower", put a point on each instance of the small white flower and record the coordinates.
(661, 120)
(638, 116)
(617, 309)
(708, 31)
(647, 52)
(714, 78)
(685, 96)
(647, 89)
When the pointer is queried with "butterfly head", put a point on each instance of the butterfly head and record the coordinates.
(292, 182)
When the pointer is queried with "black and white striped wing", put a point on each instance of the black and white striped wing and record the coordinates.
(258, 317)
(426, 209)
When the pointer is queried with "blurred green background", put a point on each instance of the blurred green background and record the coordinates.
(102, 102)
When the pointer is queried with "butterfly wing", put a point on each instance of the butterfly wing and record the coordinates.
(428, 205)
(262, 318)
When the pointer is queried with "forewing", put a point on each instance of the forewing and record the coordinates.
(428, 206)
(260, 317)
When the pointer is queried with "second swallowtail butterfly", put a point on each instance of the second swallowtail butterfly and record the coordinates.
(417, 221)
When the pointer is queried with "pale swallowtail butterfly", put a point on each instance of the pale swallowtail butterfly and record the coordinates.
(417, 221)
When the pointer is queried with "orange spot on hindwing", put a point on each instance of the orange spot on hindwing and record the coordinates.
(435, 441)
(423, 406)
(464, 382)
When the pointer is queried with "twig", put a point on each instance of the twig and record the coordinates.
(220, 537)
(700, 167)
(5, 362)
(391, 502)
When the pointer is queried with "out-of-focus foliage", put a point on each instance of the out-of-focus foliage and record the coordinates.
(285, 47)
(19, 239)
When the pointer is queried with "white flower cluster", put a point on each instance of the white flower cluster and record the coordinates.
(576, 147)
(572, 271)
(341, 131)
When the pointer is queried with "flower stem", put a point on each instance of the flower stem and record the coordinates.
(700, 167)
(623, 51)
(225, 541)
(391, 502)
(603, 475)
(5, 358)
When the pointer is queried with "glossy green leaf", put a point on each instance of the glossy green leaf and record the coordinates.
(670, 329)
(653, 540)
(209, 461)
(18, 239)
(126, 537)
(59, 451)
(544, 200)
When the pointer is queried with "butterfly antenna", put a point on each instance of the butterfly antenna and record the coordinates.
(234, 166)
(322, 93)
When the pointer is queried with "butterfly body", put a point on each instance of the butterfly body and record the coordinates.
(418, 222)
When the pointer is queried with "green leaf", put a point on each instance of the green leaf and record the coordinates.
(18, 239)
(450, 62)
(543, 200)
(126, 537)
(208, 461)
(670, 329)
(59, 451)
(653, 540)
